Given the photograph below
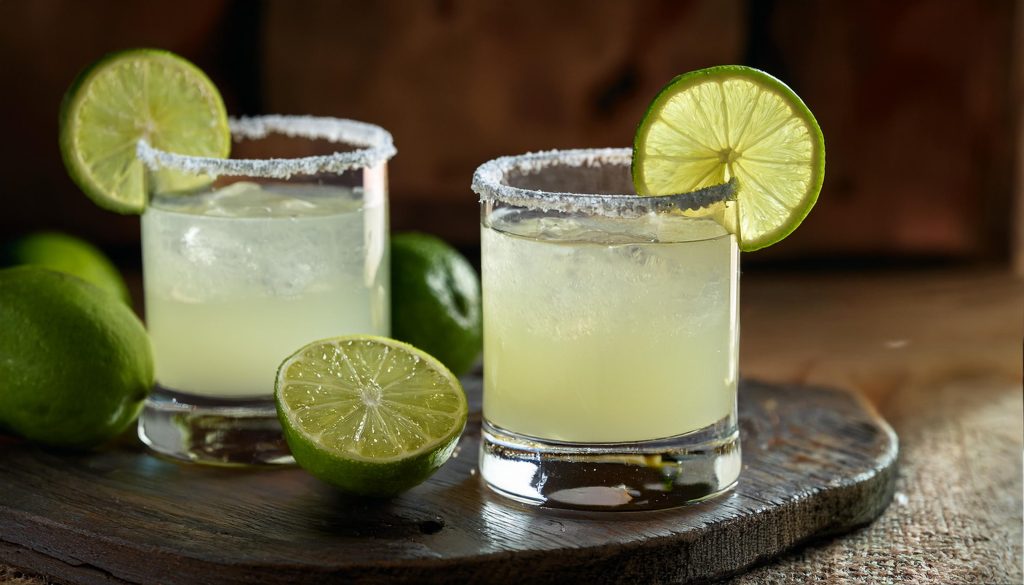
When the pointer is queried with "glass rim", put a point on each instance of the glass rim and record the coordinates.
(490, 182)
(375, 146)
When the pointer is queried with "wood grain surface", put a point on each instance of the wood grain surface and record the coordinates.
(939, 353)
(816, 462)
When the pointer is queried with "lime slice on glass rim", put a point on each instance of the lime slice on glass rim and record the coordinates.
(370, 415)
(138, 94)
(709, 126)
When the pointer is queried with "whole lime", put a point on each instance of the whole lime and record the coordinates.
(69, 254)
(75, 362)
(435, 300)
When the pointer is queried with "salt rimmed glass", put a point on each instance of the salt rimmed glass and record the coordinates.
(610, 336)
(246, 260)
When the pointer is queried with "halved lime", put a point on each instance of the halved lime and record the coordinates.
(708, 126)
(125, 96)
(370, 415)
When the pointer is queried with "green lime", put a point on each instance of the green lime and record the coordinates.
(69, 254)
(435, 300)
(131, 95)
(76, 362)
(370, 415)
(708, 126)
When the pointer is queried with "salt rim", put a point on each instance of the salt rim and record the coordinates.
(376, 142)
(489, 182)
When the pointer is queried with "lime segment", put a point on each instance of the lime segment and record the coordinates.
(131, 95)
(370, 415)
(709, 126)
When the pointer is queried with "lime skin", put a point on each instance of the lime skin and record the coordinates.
(367, 478)
(66, 253)
(75, 362)
(435, 300)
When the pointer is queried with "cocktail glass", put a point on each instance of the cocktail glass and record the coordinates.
(610, 337)
(246, 260)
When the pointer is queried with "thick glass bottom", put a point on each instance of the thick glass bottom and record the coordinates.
(645, 475)
(214, 431)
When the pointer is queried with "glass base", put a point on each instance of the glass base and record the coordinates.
(646, 475)
(215, 431)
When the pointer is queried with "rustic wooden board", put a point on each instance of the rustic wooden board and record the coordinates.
(816, 462)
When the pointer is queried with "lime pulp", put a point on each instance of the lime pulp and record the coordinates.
(131, 95)
(370, 415)
(709, 126)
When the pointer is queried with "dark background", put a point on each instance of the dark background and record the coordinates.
(918, 100)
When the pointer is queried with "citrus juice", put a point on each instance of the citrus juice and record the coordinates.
(235, 280)
(609, 330)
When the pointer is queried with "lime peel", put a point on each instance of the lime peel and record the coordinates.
(76, 362)
(69, 254)
(435, 300)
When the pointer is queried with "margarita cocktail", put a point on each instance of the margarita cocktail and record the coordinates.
(610, 337)
(261, 271)
(263, 257)
(645, 331)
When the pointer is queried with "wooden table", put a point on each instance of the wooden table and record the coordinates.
(939, 354)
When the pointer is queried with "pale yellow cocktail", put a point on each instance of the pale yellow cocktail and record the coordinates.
(610, 335)
(591, 336)
(237, 279)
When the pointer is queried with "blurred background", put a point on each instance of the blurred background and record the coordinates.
(919, 101)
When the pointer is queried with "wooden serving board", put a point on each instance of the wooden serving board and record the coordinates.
(815, 462)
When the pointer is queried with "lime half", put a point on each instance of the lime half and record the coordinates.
(138, 94)
(370, 415)
(709, 126)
